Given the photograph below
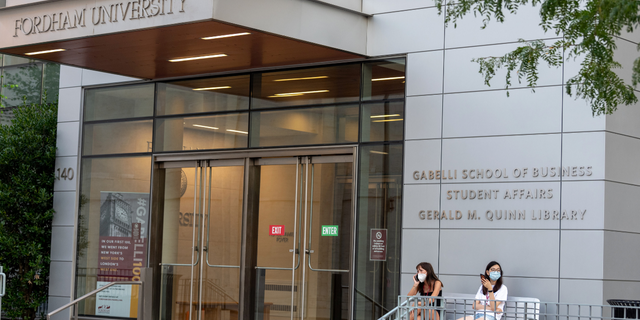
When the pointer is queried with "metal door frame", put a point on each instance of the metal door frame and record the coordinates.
(249, 159)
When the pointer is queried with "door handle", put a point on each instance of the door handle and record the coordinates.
(307, 251)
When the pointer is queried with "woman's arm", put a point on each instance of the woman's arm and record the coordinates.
(437, 285)
(492, 304)
(436, 288)
(414, 289)
(501, 296)
(478, 304)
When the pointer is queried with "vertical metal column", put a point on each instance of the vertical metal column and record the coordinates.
(249, 255)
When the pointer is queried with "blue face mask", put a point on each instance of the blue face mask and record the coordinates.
(494, 275)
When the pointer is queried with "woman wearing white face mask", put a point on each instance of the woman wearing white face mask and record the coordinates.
(426, 283)
(490, 289)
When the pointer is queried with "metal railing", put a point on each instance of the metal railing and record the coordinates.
(75, 302)
(453, 308)
(372, 301)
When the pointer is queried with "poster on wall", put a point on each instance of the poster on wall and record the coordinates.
(124, 221)
(116, 301)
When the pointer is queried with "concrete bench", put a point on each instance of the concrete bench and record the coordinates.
(516, 308)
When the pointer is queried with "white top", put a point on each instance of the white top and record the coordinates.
(500, 295)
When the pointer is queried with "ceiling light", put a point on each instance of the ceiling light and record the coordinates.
(212, 88)
(385, 115)
(226, 36)
(378, 152)
(294, 94)
(207, 127)
(43, 52)
(198, 57)
(385, 79)
(238, 131)
(388, 120)
(305, 78)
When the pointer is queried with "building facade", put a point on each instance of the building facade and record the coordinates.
(26, 81)
(298, 159)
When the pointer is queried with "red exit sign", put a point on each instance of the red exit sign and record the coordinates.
(276, 230)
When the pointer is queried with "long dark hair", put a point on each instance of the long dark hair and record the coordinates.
(498, 282)
(431, 276)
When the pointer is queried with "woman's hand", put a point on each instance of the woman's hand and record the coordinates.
(414, 289)
(486, 283)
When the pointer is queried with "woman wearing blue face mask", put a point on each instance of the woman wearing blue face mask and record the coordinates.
(491, 289)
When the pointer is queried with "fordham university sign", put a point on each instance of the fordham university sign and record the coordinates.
(96, 15)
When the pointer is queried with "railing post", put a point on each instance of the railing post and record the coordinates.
(75, 311)
(3, 285)
(141, 294)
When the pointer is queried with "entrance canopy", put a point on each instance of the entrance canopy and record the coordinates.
(154, 39)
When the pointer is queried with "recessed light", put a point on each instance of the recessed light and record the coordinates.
(388, 120)
(378, 152)
(43, 52)
(294, 94)
(198, 57)
(305, 78)
(385, 116)
(206, 127)
(237, 131)
(390, 78)
(212, 88)
(226, 36)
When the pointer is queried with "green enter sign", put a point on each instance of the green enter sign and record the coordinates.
(329, 231)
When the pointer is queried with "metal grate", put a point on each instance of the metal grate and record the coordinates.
(280, 287)
(283, 307)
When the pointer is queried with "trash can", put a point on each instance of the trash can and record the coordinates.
(620, 312)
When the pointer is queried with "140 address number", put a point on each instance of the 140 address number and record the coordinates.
(64, 173)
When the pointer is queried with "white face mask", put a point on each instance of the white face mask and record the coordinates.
(422, 276)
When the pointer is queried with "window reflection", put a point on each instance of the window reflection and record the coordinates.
(383, 80)
(379, 207)
(51, 82)
(119, 102)
(323, 125)
(204, 95)
(307, 86)
(202, 133)
(28, 85)
(117, 137)
(112, 192)
(13, 60)
(382, 121)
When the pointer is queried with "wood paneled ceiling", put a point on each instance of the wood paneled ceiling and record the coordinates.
(146, 53)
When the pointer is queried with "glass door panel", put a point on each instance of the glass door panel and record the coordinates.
(181, 220)
(328, 241)
(278, 241)
(201, 242)
(220, 291)
(305, 240)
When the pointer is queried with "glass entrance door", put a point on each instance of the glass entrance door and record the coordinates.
(201, 240)
(304, 238)
(292, 261)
